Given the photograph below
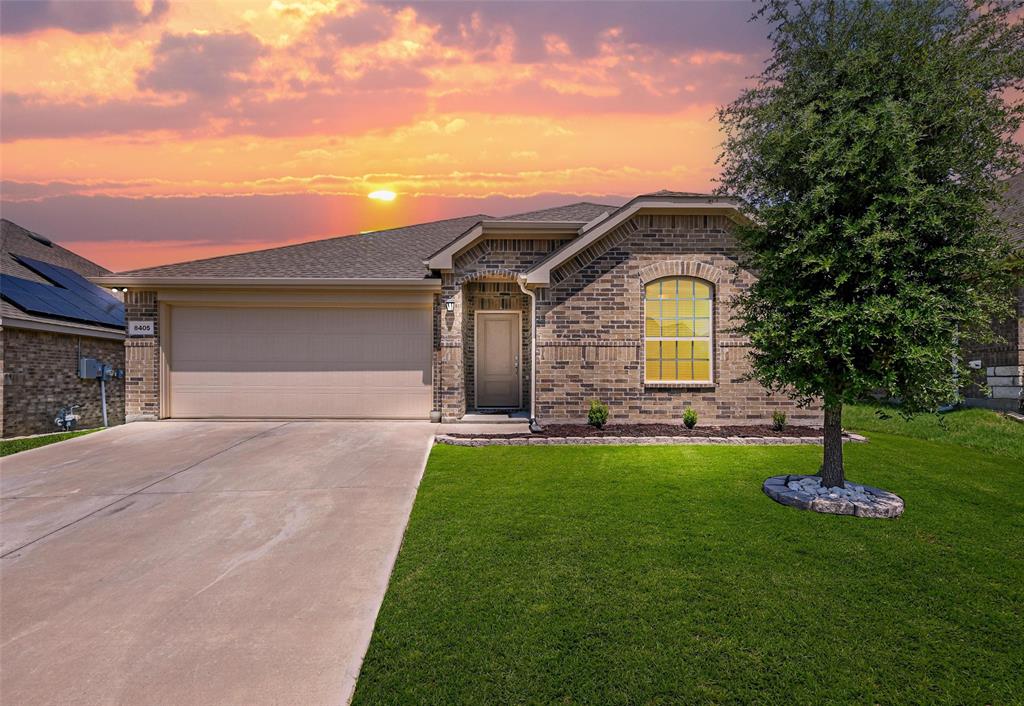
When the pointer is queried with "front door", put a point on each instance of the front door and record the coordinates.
(497, 358)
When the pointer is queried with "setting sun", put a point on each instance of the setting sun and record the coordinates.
(263, 123)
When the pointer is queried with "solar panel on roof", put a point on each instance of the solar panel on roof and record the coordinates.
(70, 297)
(38, 298)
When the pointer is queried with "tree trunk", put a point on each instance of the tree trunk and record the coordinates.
(832, 467)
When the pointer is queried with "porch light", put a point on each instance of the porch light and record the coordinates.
(449, 304)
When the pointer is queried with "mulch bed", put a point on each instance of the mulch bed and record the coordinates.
(562, 431)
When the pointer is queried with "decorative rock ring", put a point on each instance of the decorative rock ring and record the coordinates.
(807, 493)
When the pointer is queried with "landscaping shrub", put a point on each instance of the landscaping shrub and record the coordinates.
(598, 414)
(778, 420)
(690, 418)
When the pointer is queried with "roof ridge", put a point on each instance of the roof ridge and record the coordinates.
(306, 242)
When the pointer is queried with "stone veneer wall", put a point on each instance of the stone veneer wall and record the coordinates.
(142, 359)
(590, 328)
(40, 372)
(1002, 364)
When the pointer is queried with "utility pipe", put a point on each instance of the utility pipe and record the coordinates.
(103, 392)
(521, 281)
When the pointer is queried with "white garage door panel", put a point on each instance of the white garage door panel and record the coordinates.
(300, 362)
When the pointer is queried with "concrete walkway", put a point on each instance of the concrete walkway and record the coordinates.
(201, 562)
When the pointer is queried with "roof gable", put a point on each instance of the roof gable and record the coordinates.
(666, 201)
(561, 221)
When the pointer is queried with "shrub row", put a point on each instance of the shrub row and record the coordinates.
(599, 414)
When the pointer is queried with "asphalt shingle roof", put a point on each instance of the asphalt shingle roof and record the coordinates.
(397, 253)
(679, 194)
(15, 240)
(582, 212)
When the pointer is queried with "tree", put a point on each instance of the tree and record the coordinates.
(869, 152)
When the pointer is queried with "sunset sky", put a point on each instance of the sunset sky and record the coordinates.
(159, 132)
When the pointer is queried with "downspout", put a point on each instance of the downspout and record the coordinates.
(103, 393)
(521, 281)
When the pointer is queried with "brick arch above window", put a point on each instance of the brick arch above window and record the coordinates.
(682, 268)
(484, 274)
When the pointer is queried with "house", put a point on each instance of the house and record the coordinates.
(50, 318)
(536, 313)
(1003, 363)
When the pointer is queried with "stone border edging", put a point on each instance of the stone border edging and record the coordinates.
(644, 440)
(805, 492)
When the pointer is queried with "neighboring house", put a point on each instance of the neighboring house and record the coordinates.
(50, 316)
(1003, 363)
(537, 312)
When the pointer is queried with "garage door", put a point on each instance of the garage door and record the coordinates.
(297, 362)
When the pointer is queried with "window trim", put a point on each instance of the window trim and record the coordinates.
(710, 338)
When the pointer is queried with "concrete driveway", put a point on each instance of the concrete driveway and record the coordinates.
(201, 562)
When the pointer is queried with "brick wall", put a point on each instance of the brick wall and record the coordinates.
(590, 328)
(3, 382)
(142, 359)
(41, 376)
(449, 382)
(471, 286)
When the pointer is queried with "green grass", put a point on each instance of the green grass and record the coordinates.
(976, 428)
(663, 575)
(13, 446)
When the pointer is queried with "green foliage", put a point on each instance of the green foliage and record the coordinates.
(869, 153)
(778, 420)
(13, 446)
(690, 418)
(598, 414)
(972, 427)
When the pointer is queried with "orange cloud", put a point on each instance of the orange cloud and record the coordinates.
(258, 107)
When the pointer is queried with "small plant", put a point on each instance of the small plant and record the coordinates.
(778, 420)
(690, 418)
(598, 414)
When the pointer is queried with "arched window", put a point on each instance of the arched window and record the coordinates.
(677, 330)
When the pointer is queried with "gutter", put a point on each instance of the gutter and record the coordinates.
(58, 327)
(521, 281)
(418, 283)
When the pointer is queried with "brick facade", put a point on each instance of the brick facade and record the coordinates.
(483, 278)
(40, 376)
(142, 358)
(590, 324)
(589, 329)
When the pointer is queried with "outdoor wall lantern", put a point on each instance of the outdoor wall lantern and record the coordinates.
(449, 304)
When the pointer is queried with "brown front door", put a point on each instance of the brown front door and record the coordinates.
(497, 359)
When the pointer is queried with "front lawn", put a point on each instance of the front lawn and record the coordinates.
(977, 428)
(663, 575)
(13, 446)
